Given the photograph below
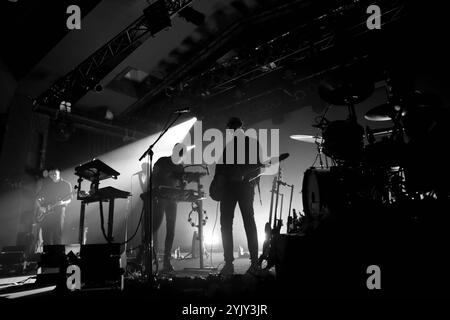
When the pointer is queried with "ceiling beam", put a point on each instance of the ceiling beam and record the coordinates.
(88, 73)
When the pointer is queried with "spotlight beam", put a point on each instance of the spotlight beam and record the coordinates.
(124, 160)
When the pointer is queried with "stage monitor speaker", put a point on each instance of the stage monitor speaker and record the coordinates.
(100, 265)
(52, 265)
(53, 256)
(12, 260)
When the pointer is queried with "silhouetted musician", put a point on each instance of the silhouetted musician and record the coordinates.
(166, 173)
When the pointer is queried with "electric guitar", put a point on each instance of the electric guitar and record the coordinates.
(266, 260)
(217, 187)
(43, 211)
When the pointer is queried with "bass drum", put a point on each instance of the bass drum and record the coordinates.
(326, 193)
(317, 193)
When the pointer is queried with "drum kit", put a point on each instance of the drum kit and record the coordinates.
(370, 166)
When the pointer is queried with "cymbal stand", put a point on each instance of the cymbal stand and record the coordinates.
(321, 125)
(319, 155)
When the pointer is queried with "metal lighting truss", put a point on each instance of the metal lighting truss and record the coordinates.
(87, 74)
(273, 55)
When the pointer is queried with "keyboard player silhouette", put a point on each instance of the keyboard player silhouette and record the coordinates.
(168, 175)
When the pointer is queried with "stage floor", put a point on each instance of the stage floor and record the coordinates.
(22, 285)
(213, 261)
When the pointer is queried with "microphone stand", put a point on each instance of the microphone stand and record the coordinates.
(148, 216)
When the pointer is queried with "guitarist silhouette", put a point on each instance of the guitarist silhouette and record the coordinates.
(51, 202)
(236, 188)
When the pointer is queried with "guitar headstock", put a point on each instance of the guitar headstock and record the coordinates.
(280, 172)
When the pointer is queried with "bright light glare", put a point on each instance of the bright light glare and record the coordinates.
(211, 240)
(125, 159)
(189, 148)
(261, 236)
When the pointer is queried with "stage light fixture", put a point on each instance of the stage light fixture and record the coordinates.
(98, 88)
(103, 113)
(158, 17)
(109, 115)
(65, 106)
(193, 16)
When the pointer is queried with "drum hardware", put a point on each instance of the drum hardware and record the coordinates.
(382, 166)
(197, 206)
(398, 108)
(365, 170)
(343, 139)
(372, 133)
(318, 140)
(384, 112)
(396, 185)
(195, 209)
(319, 156)
(315, 198)
(295, 222)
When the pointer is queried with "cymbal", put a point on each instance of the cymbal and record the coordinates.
(417, 103)
(383, 112)
(307, 138)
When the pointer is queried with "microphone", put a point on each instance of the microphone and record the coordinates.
(183, 110)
